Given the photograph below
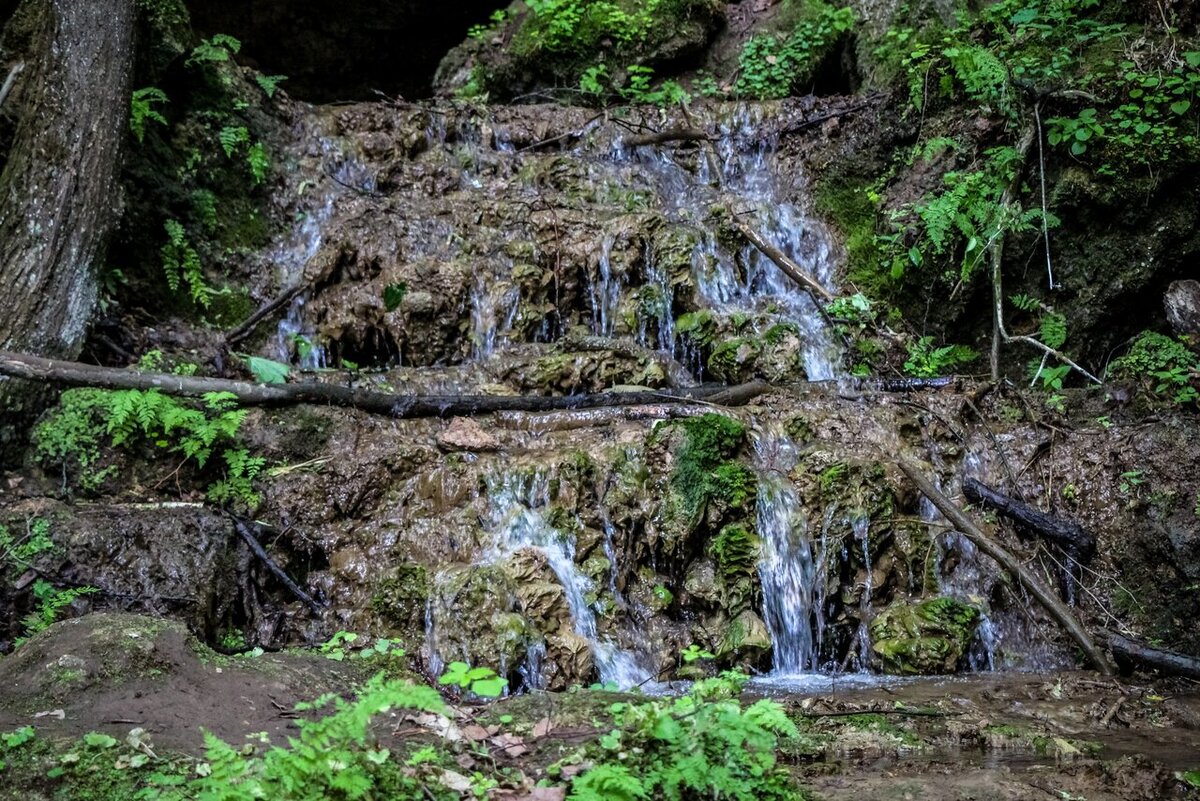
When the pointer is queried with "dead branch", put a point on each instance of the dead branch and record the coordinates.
(36, 368)
(996, 251)
(243, 530)
(784, 262)
(247, 327)
(1169, 662)
(1072, 537)
(1044, 595)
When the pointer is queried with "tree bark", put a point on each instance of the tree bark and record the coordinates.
(59, 191)
(1167, 662)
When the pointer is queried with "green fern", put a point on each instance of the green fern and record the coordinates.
(142, 110)
(181, 264)
(220, 48)
(258, 161)
(233, 137)
(269, 83)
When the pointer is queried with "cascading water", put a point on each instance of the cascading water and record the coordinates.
(862, 534)
(790, 565)
(606, 292)
(747, 281)
(516, 522)
(494, 305)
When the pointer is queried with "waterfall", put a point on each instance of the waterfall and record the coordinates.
(746, 281)
(516, 521)
(862, 533)
(791, 566)
(606, 293)
(494, 306)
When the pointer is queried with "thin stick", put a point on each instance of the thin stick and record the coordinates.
(256, 548)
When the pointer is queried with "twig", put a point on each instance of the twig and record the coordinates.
(16, 70)
(256, 548)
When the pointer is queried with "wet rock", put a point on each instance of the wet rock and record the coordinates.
(466, 434)
(1182, 303)
(746, 640)
(922, 638)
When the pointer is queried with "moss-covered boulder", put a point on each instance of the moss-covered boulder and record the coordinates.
(922, 638)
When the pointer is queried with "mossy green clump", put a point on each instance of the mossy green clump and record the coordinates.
(851, 210)
(923, 638)
(736, 551)
(400, 598)
(710, 441)
(734, 359)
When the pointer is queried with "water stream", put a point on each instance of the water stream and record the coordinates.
(517, 503)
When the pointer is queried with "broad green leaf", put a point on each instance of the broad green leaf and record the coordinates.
(267, 371)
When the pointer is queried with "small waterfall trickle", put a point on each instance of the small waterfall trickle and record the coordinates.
(791, 565)
(606, 292)
(494, 305)
(516, 502)
(862, 533)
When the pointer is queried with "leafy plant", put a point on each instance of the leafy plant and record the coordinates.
(926, 361)
(215, 50)
(694, 652)
(181, 264)
(269, 83)
(268, 371)
(87, 418)
(774, 66)
(333, 757)
(258, 161)
(335, 647)
(700, 745)
(482, 681)
(142, 110)
(1165, 366)
(50, 601)
(233, 137)
(393, 295)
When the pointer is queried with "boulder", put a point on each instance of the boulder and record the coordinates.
(923, 638)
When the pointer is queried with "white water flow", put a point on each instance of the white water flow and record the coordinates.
(293, 254)
(605, 292)
(791, 565)
(494, 305)
(862, 533)
(516, 521)
(746, 281)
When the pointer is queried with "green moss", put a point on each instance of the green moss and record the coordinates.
(736, 551)
(400, 598)
(734, 359)
(926, 637)
(710, 440)
(848, 206)
(878, 724)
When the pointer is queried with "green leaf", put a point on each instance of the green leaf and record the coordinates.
(1181, 106)
(489, 688)
(393, 295)
(266, 371)
(95, 739)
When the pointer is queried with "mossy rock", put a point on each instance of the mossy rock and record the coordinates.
(923, 638)
(746, 641)
(735, 360)
(400, 598)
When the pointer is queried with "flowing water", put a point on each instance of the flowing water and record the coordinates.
(517, 504)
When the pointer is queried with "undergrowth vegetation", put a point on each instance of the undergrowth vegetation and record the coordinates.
(73, 435)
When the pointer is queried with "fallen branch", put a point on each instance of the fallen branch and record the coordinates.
(256, 548)
(1169, 662)
(1072, 537)
(1044, 595)
(784, 262)
(36, 368)
(812, 121)
(247, 327)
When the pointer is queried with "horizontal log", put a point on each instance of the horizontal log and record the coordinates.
(1168, 662)
(65, 373)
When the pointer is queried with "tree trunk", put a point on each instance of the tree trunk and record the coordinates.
(59, 194)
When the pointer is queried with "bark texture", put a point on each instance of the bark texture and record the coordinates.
(59, 190)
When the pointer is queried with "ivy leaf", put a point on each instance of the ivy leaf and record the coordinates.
(266, 371)
(1181, 106)
(95, 739)
(393, 294)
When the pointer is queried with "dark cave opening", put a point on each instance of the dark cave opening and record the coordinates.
(346, 50)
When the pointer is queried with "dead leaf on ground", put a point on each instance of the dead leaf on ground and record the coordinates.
(542, 727)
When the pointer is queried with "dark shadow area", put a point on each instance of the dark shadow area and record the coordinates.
(344, 50)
